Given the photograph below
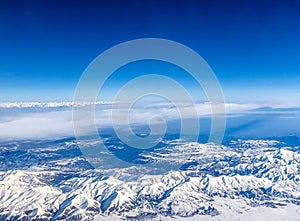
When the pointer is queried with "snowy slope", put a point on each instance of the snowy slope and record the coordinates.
(245, 180)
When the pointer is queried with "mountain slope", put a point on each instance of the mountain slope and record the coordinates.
(214, 181)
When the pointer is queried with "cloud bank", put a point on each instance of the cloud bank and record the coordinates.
(54, 120)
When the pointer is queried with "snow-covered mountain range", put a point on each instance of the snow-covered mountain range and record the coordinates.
(246, 180)
(49, 104)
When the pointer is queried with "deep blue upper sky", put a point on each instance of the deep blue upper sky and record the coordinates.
(252, 46)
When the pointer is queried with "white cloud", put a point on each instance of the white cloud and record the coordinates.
(37, 125)
(52, 123)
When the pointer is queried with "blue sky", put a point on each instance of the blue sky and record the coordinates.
(252, 46)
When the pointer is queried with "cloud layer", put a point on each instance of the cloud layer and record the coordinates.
(54, 120)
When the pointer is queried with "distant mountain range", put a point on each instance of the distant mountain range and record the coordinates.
(49, 104)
